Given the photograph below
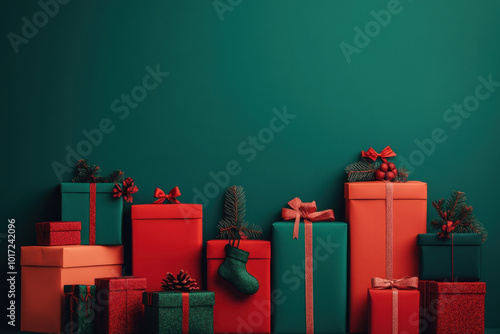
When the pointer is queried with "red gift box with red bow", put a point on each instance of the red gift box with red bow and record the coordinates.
(58, 233)
(166, 237)
(120, 308)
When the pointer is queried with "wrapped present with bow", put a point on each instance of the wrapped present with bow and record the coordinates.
(180, 307)
(79, 307)
(166, 234)
(385, 214)
(309, 269)
(394, 306)
(97, 202)
(120, 304)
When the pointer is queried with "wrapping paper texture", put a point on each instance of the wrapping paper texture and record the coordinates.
(58, 233)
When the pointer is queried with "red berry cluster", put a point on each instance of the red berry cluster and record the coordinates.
(386, 171)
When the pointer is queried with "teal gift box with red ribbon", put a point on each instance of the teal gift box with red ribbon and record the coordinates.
(79, 309)
(457, 258)
(94, 205)
(169, 312)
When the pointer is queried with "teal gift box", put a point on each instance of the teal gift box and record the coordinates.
(169, 312)
(94, 206)
(329, 278)
(79, 309)
(455, 259)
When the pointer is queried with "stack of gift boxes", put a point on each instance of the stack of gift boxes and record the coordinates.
(378, 272)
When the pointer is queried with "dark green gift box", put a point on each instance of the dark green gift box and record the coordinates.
(76, 206)
(164, 312)
(79, 309)
(329, 278)
(439, 261)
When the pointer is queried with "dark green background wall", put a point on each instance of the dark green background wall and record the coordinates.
(226, 77)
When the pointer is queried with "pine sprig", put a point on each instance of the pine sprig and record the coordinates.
(87, 173)
(233, 224)
(361, 170)
(456, 212)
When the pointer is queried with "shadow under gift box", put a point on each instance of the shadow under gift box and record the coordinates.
(166, 312)
(77, 206)
(235, 312)
(366, 216)
(45, 270)
(457, 259)
(329, 278)
(166, 238)
(452, 307)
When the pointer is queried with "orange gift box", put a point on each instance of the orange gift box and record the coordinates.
(166, 238)
(46, 269)
(366, 216)
(235, 312)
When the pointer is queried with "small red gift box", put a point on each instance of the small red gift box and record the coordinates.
(119, 300)
(382, 308)
(166, 238)
(233, 311)
(58, 233)
(452, 307)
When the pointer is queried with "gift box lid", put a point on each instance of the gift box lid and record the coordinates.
(58, 226)
(167, 211)
(376, 190)
(174, 298)
(459, 239)
(457, 287)
(85, 187)
(121, 283)
(79, 289)
(258, 249)
(71, 256)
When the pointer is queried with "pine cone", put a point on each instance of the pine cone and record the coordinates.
(183, 282)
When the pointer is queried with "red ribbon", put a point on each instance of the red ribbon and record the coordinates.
(127, 189)
(372, 154)
(185, 312)
(395, 284)
(308, 212)
(171, 196)
(74, 300)
(92, 213)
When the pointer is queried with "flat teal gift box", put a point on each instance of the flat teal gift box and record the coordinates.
(454, 259)
(329, 277)
(94, 206)
(167, 310)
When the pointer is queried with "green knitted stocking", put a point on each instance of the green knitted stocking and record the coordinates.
(234, 270)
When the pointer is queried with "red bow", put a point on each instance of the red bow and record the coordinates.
(127, 190)
(406, 282)
(372, 154)
(171, 196)
(307, 211)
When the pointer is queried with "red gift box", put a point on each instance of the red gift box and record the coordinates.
(58, 233)
(235, 312)
(452, 307)
(166, 238)
(381, 311)
(119, 301)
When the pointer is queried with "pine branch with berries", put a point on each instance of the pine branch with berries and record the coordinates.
(456, 216)
(363, 170)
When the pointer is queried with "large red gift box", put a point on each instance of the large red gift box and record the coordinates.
(46, 270)
(119, 301)
(453, 307)
(58, 233)
(366, 214)
(235, 312)
(381, 311)
(166, 238)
